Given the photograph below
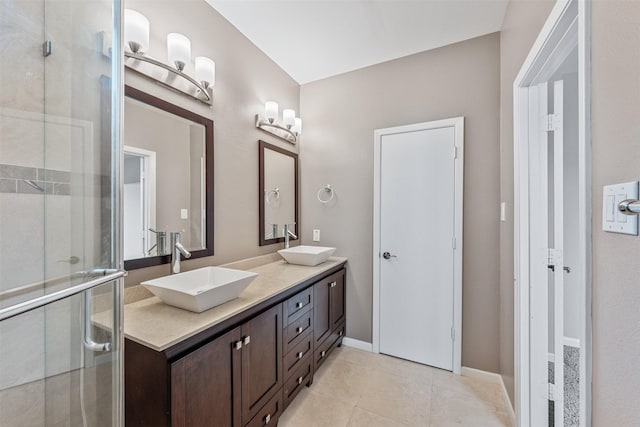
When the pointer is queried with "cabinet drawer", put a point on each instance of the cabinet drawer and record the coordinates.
(269, 414)
(297, 305)
(296, 331)
(301, 377)
(297, 353)
(323, 351)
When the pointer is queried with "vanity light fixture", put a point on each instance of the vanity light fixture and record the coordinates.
(290, 128)
(136, 34)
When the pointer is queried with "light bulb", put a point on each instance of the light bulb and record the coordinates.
(178, 50)
(288, 118)
(136, 31)
(271, 111)
(205, 71)
(297, 126)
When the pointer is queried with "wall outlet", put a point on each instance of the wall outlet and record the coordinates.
(316, 235)
(184, 213)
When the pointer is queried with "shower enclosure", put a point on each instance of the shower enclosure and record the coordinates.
(60, 263)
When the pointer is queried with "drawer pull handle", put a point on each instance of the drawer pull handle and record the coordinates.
(300, 355)
(300, 380)
(322, 354)
(246, 340)
(267, 419)
(333, 284)
(299, 305)
(299, 329)
(237, 345)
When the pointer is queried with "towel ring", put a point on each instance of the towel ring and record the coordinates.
(276, 192)
(326, 189)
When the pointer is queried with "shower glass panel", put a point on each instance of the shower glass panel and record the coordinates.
(61, 358)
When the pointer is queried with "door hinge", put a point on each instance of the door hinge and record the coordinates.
(455, 152)
(453, 242)
(554, 393)
(46, 48)
(552, 122)
(453, 334)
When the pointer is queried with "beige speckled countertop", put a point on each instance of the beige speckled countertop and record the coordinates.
(156, 325)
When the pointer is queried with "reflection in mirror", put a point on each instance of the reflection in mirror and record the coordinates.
(168, 167)
(278, 193)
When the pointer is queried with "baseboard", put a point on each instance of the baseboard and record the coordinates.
(494, 379)
(360, 345)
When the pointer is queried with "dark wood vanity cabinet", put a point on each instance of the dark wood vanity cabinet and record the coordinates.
(205, 385)
(232, 378)
(245, 376)
(329, 315)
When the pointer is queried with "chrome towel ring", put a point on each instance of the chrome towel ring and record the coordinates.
(327, 189)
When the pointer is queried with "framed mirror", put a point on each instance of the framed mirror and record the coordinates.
(278, 190)
(168, 180)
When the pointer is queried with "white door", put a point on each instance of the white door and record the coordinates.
(547, 278)
(420, 211)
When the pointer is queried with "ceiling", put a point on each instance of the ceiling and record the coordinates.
(315, 39)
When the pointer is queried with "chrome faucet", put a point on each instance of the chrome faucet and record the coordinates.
(288, 233)
(176, 250)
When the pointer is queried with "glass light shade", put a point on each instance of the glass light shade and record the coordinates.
(136, 31)
(205, 71)
(271, 111)
(297, 126)
(288, 118)
(178, 50)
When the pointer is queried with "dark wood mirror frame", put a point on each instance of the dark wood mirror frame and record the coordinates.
(266, 146)
(141, 96)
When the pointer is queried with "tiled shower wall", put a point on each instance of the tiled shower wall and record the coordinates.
(50, 174)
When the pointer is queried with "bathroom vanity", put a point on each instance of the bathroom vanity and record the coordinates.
(240, 363)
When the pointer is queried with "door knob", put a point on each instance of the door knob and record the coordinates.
(387, 255)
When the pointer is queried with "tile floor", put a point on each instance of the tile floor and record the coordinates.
(355, 388)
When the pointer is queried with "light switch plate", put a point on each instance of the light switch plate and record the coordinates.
(184, 213)
(316, 235)
(613, 220)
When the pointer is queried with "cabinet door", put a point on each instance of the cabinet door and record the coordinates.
(336, 298)
(262, 374)
(205, 385)
(321, 313)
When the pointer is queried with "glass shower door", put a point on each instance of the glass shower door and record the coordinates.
(60, 286)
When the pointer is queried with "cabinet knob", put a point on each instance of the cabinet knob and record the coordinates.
(246, 340)
(322, 354)
(237, 345)
(267, 419)
(340, 333)
(333, 284)
(300, 355)
(299, 329)
(300, 380)
(299, 305)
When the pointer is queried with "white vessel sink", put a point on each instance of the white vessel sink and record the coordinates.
(201, 289)
(307, 255)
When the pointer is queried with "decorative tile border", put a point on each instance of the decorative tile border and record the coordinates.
(28, 180)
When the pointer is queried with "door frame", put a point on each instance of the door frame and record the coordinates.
(148, 188)
(458, 124)
(547, 52)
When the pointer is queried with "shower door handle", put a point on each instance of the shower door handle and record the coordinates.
(88, 341)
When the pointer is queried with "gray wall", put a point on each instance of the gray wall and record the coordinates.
(340, 116)
(616, 158)
(245, 79)
(522, 23)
